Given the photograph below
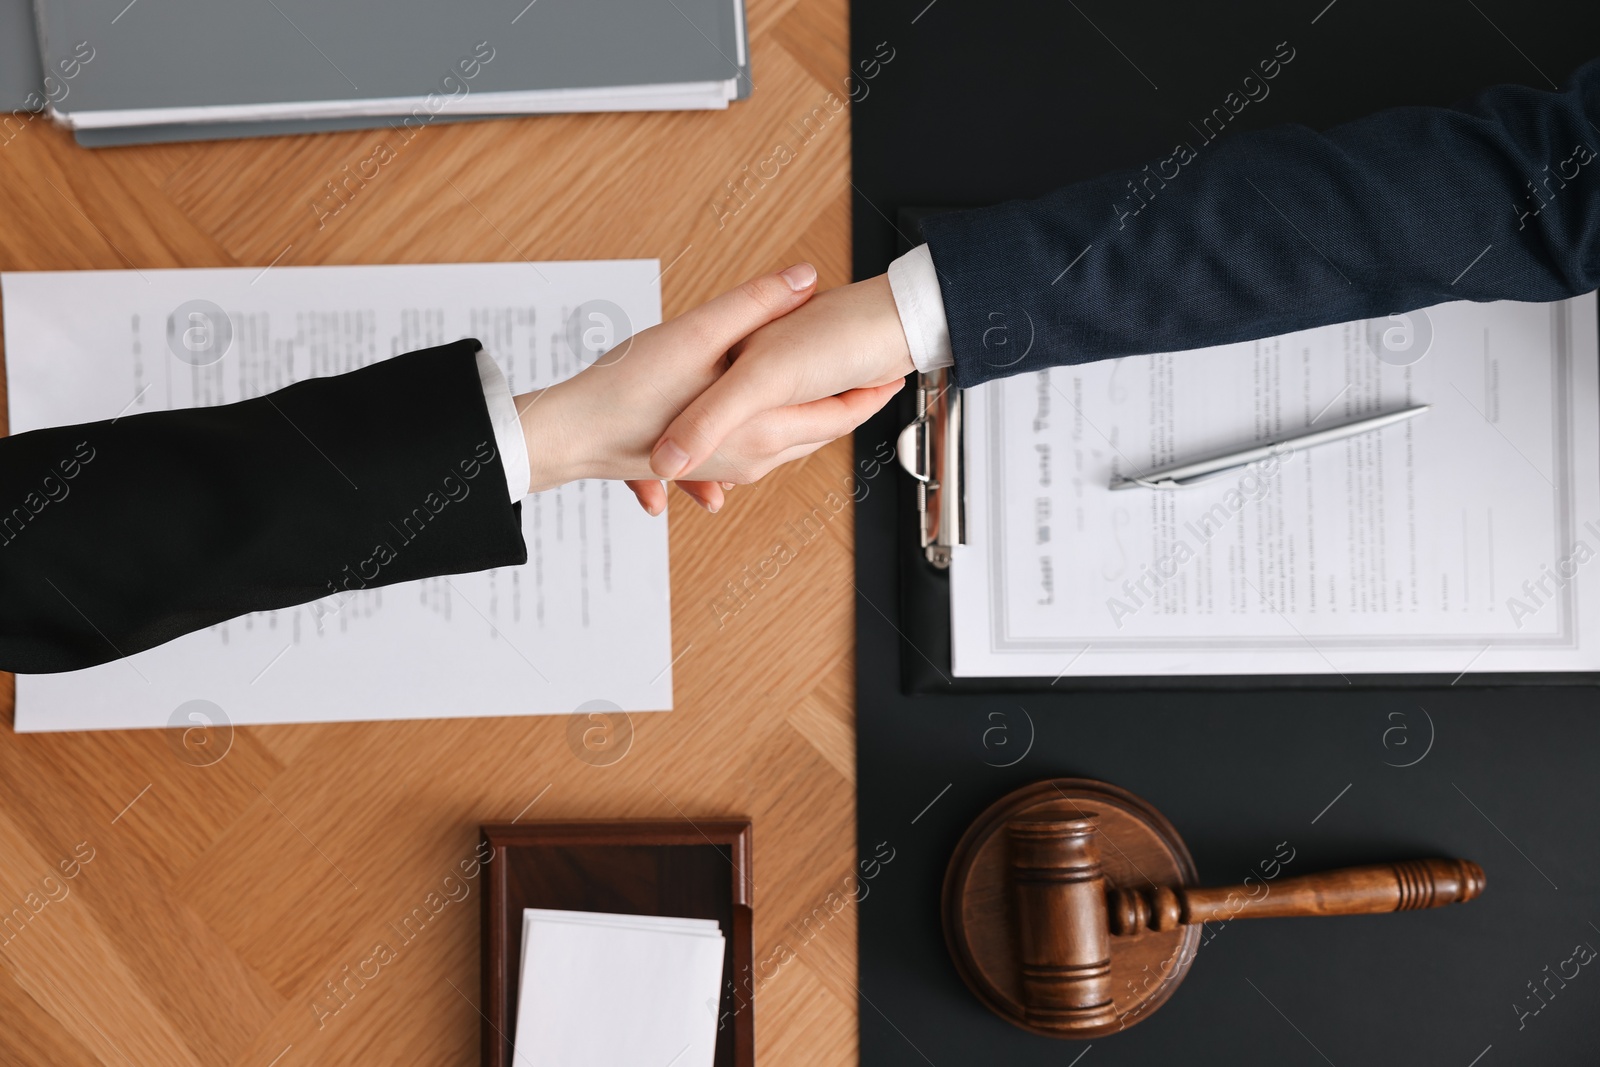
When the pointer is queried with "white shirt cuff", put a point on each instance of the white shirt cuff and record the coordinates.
(915, 285)
(508, 439)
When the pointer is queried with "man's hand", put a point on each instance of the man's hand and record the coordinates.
(846, 344)
(605, 421)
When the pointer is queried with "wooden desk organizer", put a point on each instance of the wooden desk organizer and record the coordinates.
(1070, 907)
(697, 870)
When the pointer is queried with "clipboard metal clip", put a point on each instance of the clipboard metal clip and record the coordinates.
(930, 450)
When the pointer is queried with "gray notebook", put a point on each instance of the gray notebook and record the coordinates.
(21, 79)
(216, 64)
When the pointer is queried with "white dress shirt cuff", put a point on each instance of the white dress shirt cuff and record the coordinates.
(508, 439)
(915, 285)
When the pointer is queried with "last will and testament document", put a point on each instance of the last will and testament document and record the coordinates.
(1464, 540)
(585, 619)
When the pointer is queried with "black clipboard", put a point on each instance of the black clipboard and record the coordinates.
(935, 506)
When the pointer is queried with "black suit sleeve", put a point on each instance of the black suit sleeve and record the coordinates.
(1230, 238)
(118, 536)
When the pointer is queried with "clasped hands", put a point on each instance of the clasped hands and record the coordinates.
(759, 376)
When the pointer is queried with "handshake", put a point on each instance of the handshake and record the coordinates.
(717, 397)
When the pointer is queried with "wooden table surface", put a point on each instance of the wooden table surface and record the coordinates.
(217, 913)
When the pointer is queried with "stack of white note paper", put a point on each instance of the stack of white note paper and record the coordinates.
(602, 990)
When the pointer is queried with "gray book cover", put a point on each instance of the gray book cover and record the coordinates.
(151, 54)
(21, 78)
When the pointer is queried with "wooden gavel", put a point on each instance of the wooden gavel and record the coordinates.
(1067, 914)
(1069, 908)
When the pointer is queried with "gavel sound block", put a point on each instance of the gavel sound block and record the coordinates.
(1070, 907)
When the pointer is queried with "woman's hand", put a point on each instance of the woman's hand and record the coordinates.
(605, 421)
(846, 342)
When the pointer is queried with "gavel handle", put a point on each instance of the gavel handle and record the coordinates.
(1378, 887)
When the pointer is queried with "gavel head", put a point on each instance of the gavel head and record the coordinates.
(1063, 938)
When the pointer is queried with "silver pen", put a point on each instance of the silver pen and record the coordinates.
(1186, 474)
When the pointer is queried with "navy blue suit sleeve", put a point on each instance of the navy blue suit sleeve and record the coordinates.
(1280, 230)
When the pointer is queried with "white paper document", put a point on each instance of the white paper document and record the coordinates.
(1464, 539)
(585, 619)
(604, 990)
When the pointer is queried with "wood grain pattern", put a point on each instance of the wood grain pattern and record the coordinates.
(222, 905)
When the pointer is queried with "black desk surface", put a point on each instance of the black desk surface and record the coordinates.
(983, 102)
